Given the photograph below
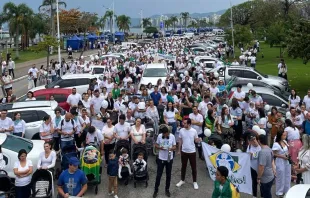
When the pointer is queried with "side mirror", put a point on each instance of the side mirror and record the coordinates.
(283, 105)
(56, 86)
(259, 78)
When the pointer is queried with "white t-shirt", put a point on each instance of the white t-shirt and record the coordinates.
(263, 121)
(294, 102)
(67, 127)
(138, 134)
(203, 108)
(6, 124)
(24, 181)
(46, 128)
(292, 133)
(214, 91)
(7, 79)
(34, 72)
(170, 115)
(188, 140)
(254, 158)
(307, 102)
(95, 137)
(107, 131)
(197, 118)
(166, 143)
(48, 162)
(96, 102)
(239, 95)
(74, 99)
(122, 130)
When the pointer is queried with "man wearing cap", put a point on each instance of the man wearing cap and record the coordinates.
(73, 181)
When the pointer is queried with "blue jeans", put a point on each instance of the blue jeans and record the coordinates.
(18, 134)
(265, 189)
(174, 126)
(66, 143)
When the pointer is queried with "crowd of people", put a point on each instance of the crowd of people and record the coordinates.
(114, 109)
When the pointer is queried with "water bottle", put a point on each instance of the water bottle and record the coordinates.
(169, 156)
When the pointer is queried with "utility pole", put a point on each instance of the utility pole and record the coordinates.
(113, 31)
(232, 28)
(58, 35)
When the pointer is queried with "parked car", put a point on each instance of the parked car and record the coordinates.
(32, 112)
(198, 59)
(268, 96)
(153, 72)
(251, 75)
(79, 81)
(12, 144)
(299, 190)
(60, 96)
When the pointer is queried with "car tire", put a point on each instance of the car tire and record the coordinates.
(36, 137)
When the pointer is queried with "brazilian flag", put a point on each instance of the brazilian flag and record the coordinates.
(90, 164)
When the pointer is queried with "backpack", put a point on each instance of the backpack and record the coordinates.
(62, 123)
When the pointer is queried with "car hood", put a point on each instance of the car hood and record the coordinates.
(271, 77)
(153, 80)
(37, 88)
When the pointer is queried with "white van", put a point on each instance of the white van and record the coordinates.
(218, 32)
(189, 34)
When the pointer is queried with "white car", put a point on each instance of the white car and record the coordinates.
(79, 81)
(153, 72)
(298, 191)
(11, 145)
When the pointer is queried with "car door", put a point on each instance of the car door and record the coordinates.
(82, 85)
(62, 101)
(274, 100)
(250, 76)
(33, 123)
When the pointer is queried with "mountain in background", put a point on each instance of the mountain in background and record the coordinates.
(136, 21)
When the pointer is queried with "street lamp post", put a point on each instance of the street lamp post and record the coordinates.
(113, 21)
(232, 28)
(141, 15)
(58, 32)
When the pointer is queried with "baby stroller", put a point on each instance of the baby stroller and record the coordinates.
(7, 188)
(91, 166)
(138, 175)
(217, 139)
(42, 184)
(118, 147)
(66, 153)
(150, 132)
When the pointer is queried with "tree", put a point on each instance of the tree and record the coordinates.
(185, 16)
(242, 34)
(193, 24)
(17, 16)
(202, 23)
(146, 22)
(69, 21)
(123, 22)
(150, 30)
(109, 14)
(50, 6)
(298, 41)
(276, 34)
(167, 23)
(39, 25)
(101, 23)
(173, 20)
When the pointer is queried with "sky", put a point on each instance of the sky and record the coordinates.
(132, 8)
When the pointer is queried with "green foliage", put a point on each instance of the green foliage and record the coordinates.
(123, 23)
(242, 34)
(150, 30)
(298, 41)
(185, 16)
(146, 22)
(39, 25)
(45, 44)
(173, 20)
(109, 14)
(276, 34)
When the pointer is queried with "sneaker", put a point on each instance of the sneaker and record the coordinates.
(196, 186)
(155, 194)
(180, 183)
(167, 193)
(111, 193)
(115, 196)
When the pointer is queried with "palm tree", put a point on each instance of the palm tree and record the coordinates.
(173, 20)
(50, 5)
(168, 23)
(123, 23)
(109, 14)
(185, 16)
(19, 18)
(146, 22)
(101, 23)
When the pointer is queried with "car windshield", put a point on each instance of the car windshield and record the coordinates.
(264, 75)
(15, 144)
(155, 72)
(53, 84)
(98, 70)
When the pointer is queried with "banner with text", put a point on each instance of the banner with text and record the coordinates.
(238, 164)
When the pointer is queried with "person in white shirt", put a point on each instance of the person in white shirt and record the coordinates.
(170, 116)
(197, 121)
(22, 170)
(11, 67)
(19, 125)
(67, 130)
(239, 94)
(306, 100)
(282, 67)
(74, 98)
(166, 145)
(187, 138)
(6, 124)
(47, 159)
(8, 81)
(235, 63)
(122, 129)
(138, 132)
(95, 103)
(47, 129)
(294, 99)
(35, 72)
(253, 61)
(293, 138)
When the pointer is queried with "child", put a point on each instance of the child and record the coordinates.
(140, 163)
(112, 172)
(30, 81)
(123, 162)
(222, 186)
